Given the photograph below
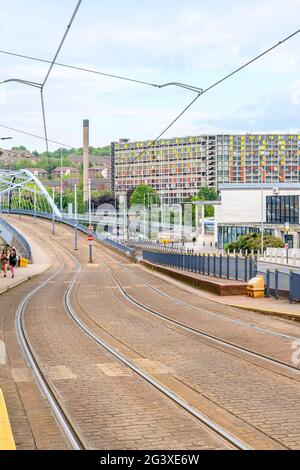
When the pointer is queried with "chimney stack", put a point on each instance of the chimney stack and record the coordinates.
(86, 163)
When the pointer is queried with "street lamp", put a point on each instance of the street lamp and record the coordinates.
(5, 138)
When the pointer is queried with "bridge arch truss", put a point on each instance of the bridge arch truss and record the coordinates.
(21, 189)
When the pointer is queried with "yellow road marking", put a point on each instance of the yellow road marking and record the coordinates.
(6, 437)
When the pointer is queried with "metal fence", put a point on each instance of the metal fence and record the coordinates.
(82, 228)
(226, 267)
(282, 285)
(279, 284)
(26, 253)
(295, 287)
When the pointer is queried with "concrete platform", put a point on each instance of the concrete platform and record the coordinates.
(41, 262)
(217, 286)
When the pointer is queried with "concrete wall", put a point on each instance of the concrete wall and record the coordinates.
(243, 206)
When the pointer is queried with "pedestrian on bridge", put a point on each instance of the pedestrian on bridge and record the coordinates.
(12, 261)
(4, 261)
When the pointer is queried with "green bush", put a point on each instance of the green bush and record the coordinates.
(252, 241)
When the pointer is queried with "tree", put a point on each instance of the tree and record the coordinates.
(252, 241)
(144, 195)
(205, 194)
(208, 194)
(21, 147)
(99, 198)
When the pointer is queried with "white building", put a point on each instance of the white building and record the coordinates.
(249, 208)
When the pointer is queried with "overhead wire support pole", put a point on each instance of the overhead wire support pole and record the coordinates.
(239, 69)
(50, 70)
(62, 42)
(44, 120)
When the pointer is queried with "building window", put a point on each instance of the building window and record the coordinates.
(230, 233)
(283, 209)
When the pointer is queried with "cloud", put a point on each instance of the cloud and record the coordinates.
(295, 97)
(192, 41)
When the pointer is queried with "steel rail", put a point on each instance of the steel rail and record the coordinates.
(215, 339)
(202, 333)
(229, 438)
(189, 329)
(169, 393)
(55, 406)
(191, 410)
(219, 315)
(69, 431)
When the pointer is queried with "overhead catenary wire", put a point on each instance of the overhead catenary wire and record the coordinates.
(160, 86)
(213, 86)
(36, 136)
(51, 67)
(104, 74)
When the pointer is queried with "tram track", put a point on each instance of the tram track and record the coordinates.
(236, 443)
(55, 404)
(200, 333)
(189, 329)
(226, 436)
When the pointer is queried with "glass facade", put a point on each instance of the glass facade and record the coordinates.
(228, 234)
(283, 209)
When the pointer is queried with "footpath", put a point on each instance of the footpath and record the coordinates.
(40, 263)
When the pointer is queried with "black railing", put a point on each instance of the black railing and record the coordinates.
(226, 267)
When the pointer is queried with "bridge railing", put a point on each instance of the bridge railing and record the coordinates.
(26, 253)
(82, 228)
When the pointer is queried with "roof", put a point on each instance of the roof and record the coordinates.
(39, 170)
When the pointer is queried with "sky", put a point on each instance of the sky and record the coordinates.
(191, 41)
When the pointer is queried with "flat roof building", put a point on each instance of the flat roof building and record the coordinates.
(176, 168)
(247, 208)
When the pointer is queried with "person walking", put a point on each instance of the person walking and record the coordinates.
(12, 261)
(4, 261)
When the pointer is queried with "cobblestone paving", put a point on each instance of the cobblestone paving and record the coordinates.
(115, 411)
(33, 424)
(262, 398)
(267, 401)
